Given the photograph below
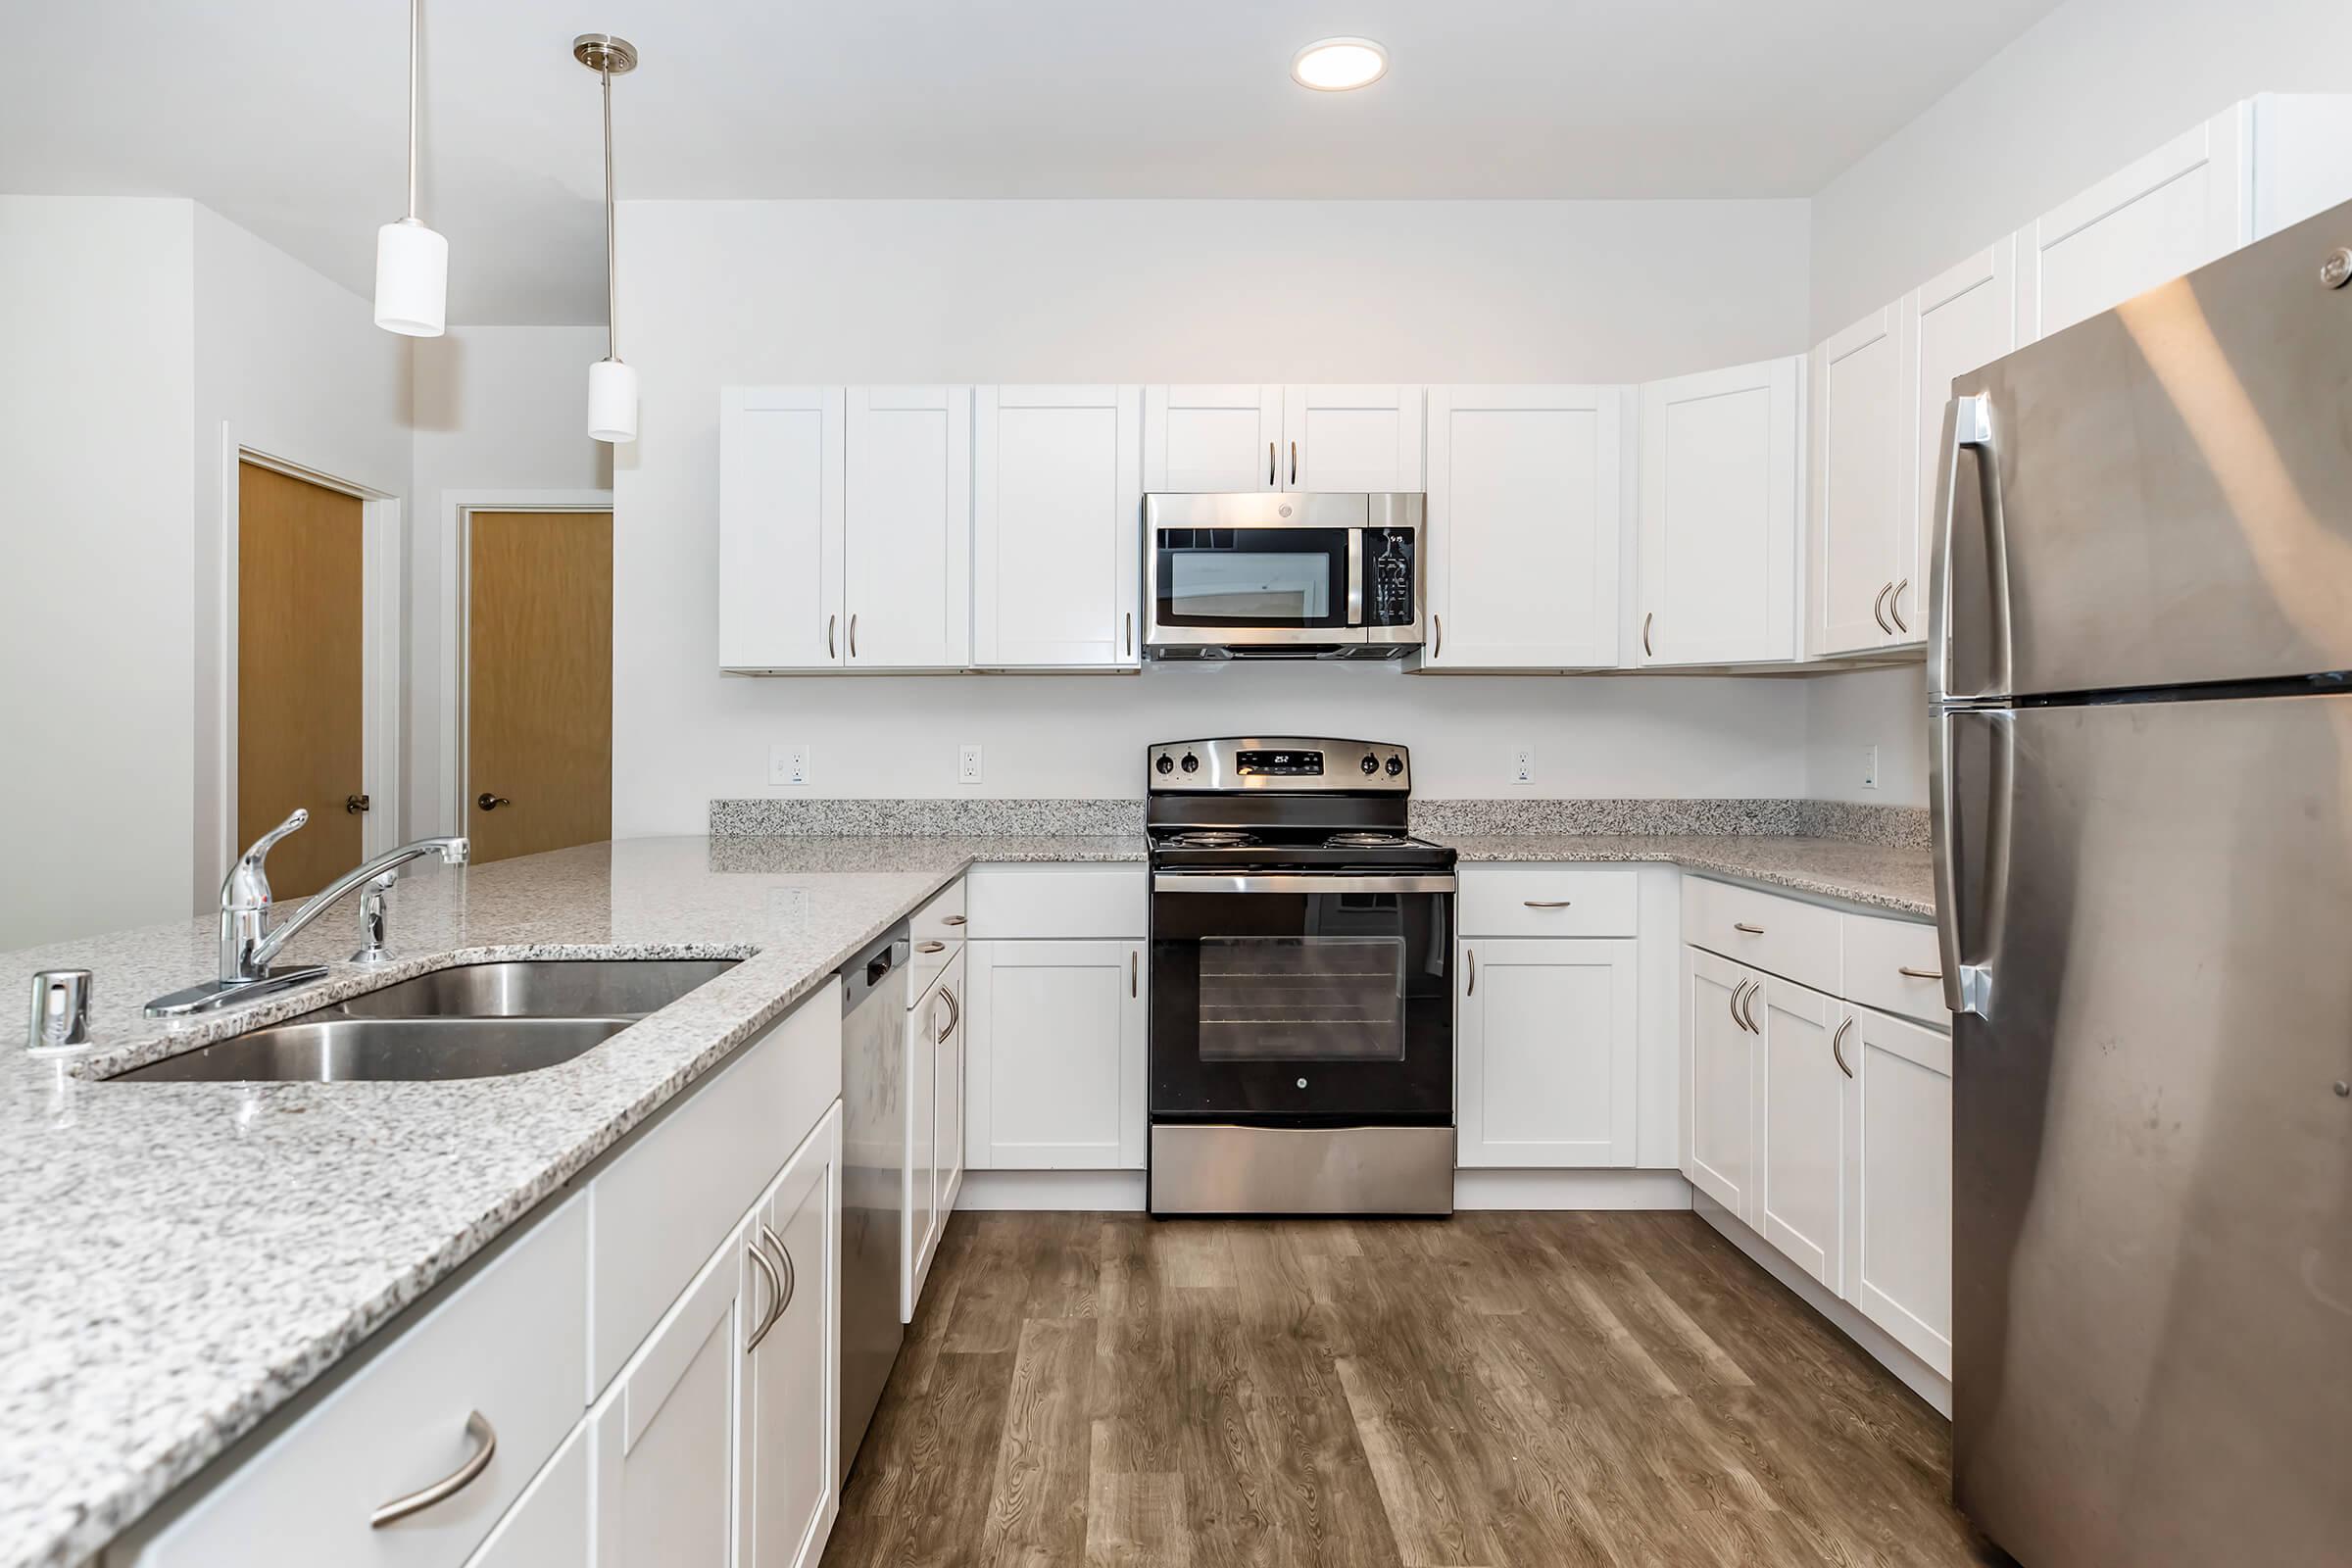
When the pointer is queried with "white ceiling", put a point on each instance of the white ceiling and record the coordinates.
(286, 116)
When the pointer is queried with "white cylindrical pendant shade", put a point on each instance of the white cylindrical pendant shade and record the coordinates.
(412, 279)
(612, 400)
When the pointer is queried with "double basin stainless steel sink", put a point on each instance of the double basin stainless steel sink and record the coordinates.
(483, 1020)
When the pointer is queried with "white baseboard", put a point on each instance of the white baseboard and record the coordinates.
(1918, 1377)
(1570, 1188)
(1118, 1192)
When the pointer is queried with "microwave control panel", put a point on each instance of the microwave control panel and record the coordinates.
(1389, 568)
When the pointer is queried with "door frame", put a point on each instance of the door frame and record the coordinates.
(383, 548)
(458, 508)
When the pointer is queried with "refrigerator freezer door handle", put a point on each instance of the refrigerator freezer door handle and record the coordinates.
(1968, 987)
(1968, 426)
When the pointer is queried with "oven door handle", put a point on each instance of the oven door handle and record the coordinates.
(1220, 882)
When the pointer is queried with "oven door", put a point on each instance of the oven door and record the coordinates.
(1299, 1001)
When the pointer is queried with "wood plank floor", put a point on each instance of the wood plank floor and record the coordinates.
(1498, 1391)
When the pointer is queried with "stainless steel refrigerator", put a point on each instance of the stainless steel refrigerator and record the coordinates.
(2140, 624)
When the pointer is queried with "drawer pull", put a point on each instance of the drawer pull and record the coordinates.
(776, 1295)
(792, 1276)
(1747, 1008)
(1838, 1046)
(950, 919)
(930, 947)
(1908, 972)
(485, 1439)
(1546, 904)
(1752, 930)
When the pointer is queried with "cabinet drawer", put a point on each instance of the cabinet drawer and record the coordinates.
(665, 1206)
(1877, 955)
(1057, 903)
(941, 922)
(1547, 900)
(1780, 936)
(508, 1345)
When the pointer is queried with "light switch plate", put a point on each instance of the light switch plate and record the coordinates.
(1870, 767)
(1523, 764)
(968, 765)
(788, 765)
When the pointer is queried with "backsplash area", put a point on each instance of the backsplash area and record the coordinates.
(1900, 827)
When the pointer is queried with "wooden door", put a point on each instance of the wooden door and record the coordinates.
(1546, 1052)
(1719, 502)
(1861, 512)
(1966, 319)
(1524, 515)
(1057, 527)
(1718, 1146)
(782, 457)
(1055, 1065)
(301, 685)
(1352, 438)
(1899, 1182)
(1213, 439)
(1804, 1093)
(539, 671)
(908, 556)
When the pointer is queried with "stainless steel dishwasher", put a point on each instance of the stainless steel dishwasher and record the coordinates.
(873, 1159)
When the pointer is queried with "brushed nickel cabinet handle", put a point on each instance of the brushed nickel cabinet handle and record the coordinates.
(792, 1275)
(1733, 1002)
(1130, 623)
(1470, 957)
(1133, 965)
(853, 636)
(1293, 462)
(1437, 625)
(1747, 1008)
(954, 1016)
(485, 1441)
(1909, 973)
(1752, 930)
(1647, 650)
(832, 623)
(1878, 608)
(1838, 1046)
(1270, 469)
(1546, 904)
(930, 947)
(1894, 607)
(776, 1295)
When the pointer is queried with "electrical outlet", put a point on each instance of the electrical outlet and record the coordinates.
(788, 765)
(1870, 767)
(1523, 764)
(968, 765)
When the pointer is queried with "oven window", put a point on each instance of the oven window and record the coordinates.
(1302, 999)
(1294, 577)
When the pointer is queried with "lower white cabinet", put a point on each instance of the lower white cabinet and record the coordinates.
(1803, 1108)
(1899, 1182)
(1719, 1080)
(934, 1163)
(549, 1525)
(789, 1399)
(1545, 1050)
(1054, 1074)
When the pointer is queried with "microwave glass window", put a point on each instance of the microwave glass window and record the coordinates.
(1302, 999)
(1249, 585)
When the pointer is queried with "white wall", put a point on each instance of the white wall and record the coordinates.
(1883, 707)
(719, 292)
(497, 411)
(96, 553)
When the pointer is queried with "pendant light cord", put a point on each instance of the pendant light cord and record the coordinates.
(416, 10)
(612, 289)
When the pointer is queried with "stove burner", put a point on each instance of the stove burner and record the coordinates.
(1210, 838)
(1366, 841)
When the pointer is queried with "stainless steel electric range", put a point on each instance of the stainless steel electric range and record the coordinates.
(1301, 982)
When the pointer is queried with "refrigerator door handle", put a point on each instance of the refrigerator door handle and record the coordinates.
(1968, 427)
(1968, 987)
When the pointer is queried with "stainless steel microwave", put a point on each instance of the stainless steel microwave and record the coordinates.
(1282, 575)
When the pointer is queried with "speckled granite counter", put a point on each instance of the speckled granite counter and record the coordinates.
(1880, 876)
(178, 1260)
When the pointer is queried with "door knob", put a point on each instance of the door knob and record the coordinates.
(491, 803)
(356, 805)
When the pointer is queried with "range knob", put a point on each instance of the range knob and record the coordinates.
(1371, 766)
(1191, 763)
(1166, 763)
(1396, 765)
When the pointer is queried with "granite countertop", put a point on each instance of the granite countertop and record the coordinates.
(1883, 876)
(178, 1260)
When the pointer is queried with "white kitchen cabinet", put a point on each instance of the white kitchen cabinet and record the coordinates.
(1899, 1182)
(1720, 481)
(782, 489)
(1545, 1052)
(549, 1525)
(1719, 1080)
(2302, 156)
(665, 1439)
(2182, 206)
(1057, 527)
(1525, 514)
(1213, 439)
(1861, 525)
(1966, 319)
(907, 565)
(789, 1405)
(1055, 1062)
(947, 1122)
(1346, 438)
(1802, 1098)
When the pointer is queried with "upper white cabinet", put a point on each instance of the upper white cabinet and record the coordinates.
(782, 461)
(1057, 527)
(1352, 438)
(1720, 481)
(907, 587)
(1546, 1044)
(2302, 156)
(1526, 513)
(1861, 528)
(1213, 439)
(1965, 317)
(1054, 1052)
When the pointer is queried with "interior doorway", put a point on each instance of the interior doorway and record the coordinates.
(538, 680)
(301, 714)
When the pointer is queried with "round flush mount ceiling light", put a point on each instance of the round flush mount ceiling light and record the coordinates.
(1335, 65)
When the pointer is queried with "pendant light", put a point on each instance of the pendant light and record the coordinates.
(412, 261)
(612, 386)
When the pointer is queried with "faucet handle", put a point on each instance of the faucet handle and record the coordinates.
(247, 885)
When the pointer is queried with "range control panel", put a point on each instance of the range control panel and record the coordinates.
(1256, 763)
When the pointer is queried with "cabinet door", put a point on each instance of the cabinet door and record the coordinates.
(917, 1212)
(2302, 156)
(1546, 1045)
(1899, 1183)
(1057, 527)
(1967, 318)
(1213, 439)
(908, 587)
(789, 1410)
(781, 464)
(1351, 438)
(1054, 1077)
(665, 1433)
(1719, 496)
(2183, 205)
(1802, 1093)
(1526, 509)
(1861, 516)
(548, 1526)
(947, 1074)
(1718, 1079)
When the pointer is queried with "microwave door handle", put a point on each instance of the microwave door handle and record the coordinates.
(1356, 576)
